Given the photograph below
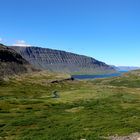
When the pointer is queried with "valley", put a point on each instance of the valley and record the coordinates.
(91, 110)
(70, 70)
(38, 104)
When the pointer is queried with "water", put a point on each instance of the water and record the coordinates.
(82, 77)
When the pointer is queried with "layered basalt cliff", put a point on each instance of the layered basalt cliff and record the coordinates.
(61, 61)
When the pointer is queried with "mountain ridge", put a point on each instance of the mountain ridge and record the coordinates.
(126, 68)
(12, 63)
(62, 61)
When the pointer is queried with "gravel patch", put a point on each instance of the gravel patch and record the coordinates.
(134, 136)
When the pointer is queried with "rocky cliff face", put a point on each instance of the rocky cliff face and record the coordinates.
(12, 63)
(61, 61)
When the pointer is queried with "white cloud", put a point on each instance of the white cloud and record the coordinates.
(21, 43)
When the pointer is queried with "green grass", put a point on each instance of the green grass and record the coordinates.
(87, 110)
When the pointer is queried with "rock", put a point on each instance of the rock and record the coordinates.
(12, 63)
(134, 136)
(61, 61)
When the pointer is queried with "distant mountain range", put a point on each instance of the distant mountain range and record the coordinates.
(125, 68)
(61, 61)
(12, 63)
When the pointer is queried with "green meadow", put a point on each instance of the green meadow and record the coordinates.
(91, 110)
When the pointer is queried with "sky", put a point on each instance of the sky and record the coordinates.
(108, 30)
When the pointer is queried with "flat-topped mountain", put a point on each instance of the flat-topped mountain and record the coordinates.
(61, 61)
(12, 63)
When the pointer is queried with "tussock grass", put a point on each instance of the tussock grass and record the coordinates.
(87, 110)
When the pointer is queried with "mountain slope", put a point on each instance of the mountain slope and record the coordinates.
(61, 61)
(91, 110)
(12, 63)
(130, 80)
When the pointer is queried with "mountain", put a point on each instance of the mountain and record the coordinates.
(12, 63)
(61, 61)
(125, 68)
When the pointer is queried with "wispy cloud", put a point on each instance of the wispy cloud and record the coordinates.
(21, 43)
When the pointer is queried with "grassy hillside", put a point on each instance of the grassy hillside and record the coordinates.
(88, 110)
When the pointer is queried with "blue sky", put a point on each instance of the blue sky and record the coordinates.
(108, 30)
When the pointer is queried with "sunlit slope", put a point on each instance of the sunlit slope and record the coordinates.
(61, 61)
(130, 80)
(88, 110)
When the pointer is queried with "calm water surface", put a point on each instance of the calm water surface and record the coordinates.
(81, 77)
